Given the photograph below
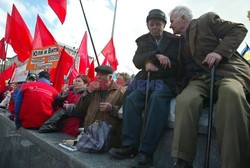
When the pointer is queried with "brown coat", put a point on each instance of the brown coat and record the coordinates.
(89, 107)
(209, 34)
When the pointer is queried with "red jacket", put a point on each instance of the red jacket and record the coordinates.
(72, 124)
(73, 97)
(37, 104)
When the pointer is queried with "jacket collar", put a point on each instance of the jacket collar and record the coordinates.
(44, 80)
(191, 33)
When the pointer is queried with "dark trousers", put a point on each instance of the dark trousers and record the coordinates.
(157, 115)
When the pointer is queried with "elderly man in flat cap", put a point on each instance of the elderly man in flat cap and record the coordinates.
(157, 55)
(101, 101)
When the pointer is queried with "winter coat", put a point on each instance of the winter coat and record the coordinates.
(209, 34)
(147, 50)
(88, 107)
(71, 124)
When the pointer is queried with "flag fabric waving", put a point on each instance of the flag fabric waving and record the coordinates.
(6, 75)
(109, 53)
(63, 66)
(2, 50)
(59, 7)
(91, 71)
(20, 37)
(105, 61)
(246, 52)
(8, 29)
(45, 50)
(42, 37)
(83, 54)
(74, 73)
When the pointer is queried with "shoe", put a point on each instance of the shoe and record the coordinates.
(182, 164)
(142, 160)
(123, 153)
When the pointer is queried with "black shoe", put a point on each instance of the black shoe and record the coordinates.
(182, 164)
(142, 160)
(123, 153)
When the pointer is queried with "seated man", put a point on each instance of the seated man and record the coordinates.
(34, 103)
(101, 101)
(157, 53)
(208, 41)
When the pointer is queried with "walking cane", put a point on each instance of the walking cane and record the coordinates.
(146, 100)
(210, 118)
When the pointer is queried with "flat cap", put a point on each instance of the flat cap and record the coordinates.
(104, 69)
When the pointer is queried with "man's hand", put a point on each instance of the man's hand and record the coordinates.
(93, 86)
(212, 59)
(164, 61)
(150, 67)
(105, 106)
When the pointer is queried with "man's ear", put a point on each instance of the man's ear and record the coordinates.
(110, 76)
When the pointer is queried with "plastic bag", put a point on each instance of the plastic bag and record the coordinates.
(54, 123)
(96, 139)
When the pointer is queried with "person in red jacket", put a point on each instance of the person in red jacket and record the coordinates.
(69, 97)
(34, 104)
(32, 77)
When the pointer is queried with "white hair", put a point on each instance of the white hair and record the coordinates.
(181, 11)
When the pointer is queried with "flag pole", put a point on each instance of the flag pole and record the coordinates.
(3, 61)
(6, 54)
(89, 32)
(71, 68)
(113, 27)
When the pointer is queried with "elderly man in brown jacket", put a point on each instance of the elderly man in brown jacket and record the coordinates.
(101, 101)
(207, 41)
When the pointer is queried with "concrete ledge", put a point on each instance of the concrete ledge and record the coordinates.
(25, 148)
(29, 149)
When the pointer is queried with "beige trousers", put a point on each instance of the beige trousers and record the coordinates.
(232, 120)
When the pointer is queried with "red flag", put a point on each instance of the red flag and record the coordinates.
(2, 50)
(83, 53)
(8, 28)
(52, 73)
(21, 39)
(105, 61)
(6, 75)
(91, 72)
(59, 7)
(109, 53)
(73, 75)
(63, 66)
(42, 37)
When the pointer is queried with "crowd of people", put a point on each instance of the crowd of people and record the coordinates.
(171, 65)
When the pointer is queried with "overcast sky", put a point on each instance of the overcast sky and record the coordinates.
(130, 21)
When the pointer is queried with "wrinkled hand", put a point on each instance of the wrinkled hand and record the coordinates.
(164, 61)
(212, 59)
(105, 106)
(151, 67)
(93, 86)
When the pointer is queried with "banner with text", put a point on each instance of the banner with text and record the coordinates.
(44, 58)
(20, 74)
